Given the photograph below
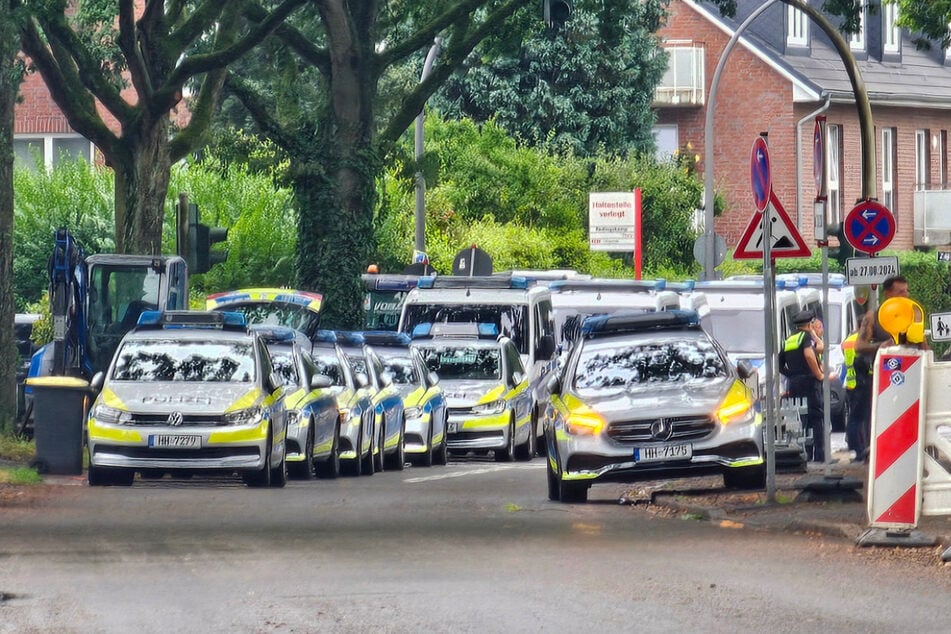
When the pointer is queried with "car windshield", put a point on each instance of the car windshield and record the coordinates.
(739, 330)
(282, 358)
(188, 361)
(511, 320)
(329, 365)
(358, 362)
(644, 362)
(277, 314)
(401, 368)
(463, 362)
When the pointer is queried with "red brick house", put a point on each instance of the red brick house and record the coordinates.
(782, 72)
(40, 126)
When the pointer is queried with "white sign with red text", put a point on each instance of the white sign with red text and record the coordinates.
(614, 220)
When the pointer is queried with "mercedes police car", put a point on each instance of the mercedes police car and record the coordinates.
(645, 396)
(188, 391)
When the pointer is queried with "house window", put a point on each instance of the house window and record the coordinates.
(683, 83)
(922, 159)
(889, 160)
(857, 39)
(797, 25)
(51, 150)
(891, 39)
(666, 142)
(834, 171)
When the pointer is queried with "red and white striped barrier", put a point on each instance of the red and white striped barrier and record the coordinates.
(936, 477)
(895, 461)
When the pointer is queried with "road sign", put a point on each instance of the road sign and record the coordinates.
(700, 249)
(869, 227)
(818, 155)
(760, 175)
(941, 327)
(944, 256)
(785, 241)
(613, 219)
(870, 270)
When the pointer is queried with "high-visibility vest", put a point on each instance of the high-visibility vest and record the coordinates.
(848, 351)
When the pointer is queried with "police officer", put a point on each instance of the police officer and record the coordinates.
(801, 366)
(858, 385)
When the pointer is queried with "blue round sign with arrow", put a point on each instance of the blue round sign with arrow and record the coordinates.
(760, 175)
(869, 227)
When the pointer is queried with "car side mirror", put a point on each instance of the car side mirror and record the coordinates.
(745, 369)
(97, 380)
(554, 385)
(320, 381)
(546, 348)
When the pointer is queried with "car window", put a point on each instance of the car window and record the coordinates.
(188, 361)
(283, 361)
(464, 362)
(511, 320)
(739, 330)
(401, 369)
(329, 365)
(648, 362)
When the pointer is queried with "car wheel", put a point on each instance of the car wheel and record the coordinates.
(745, 477)
(261, 477)
(442, 454)
(526, 451)
(329, 468)
(396, 460)
(379, 459)
(507, 454)
(279, 473)
(554, 493)
(304, 470)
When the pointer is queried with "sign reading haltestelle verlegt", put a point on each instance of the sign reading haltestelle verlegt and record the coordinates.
(614, 221)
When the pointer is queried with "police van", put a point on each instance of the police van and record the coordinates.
(519, 307)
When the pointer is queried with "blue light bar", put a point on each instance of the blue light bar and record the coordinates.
(426, 282)
(421, 330)
(350, 338)
(627, 321)
(488, 330)
(275, 334)
(386, 338)
(325, 336)
(192, 319)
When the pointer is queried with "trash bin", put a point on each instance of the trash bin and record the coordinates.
(59, 412)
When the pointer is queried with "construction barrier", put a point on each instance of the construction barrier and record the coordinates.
(936, 477)
(896, 448)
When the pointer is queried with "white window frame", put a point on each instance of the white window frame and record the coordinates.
(922, 159)
(833, 172)
(48, 141)
(857, 39)
(888, 168)
(666, 152)
(689, 89)
(891, 37)
(797, 27)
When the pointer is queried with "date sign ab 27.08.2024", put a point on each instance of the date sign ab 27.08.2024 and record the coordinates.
(870, 270)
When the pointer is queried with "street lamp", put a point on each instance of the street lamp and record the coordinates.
(420, 178)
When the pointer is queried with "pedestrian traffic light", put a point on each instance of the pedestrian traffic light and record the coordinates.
(845, 250)
(556, 12)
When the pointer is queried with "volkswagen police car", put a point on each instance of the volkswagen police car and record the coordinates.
(188, 391)
(646, 396)
(424, 405)
(486, 387)
(295, 309)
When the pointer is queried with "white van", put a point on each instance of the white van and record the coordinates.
(519, 308)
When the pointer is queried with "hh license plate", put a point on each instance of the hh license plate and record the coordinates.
(663, 452)
(174, 441)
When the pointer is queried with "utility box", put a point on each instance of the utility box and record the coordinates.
(59, 412)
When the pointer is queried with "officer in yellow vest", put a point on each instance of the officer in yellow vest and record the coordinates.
(800, 363)
(858, 384)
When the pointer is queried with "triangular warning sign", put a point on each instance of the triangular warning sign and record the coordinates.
(785, 241)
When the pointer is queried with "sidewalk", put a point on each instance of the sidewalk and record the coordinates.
(794, 509)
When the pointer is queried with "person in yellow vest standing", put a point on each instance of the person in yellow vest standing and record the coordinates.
(799, 361)
(858, 385)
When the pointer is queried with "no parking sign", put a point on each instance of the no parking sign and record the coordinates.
(760, 174)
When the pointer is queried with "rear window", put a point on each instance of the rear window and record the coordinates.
(170, 360)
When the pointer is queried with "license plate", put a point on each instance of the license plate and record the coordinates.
(663, 452)
(453, 427)
(175, 441)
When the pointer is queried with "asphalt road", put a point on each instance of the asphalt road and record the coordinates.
(472, 547)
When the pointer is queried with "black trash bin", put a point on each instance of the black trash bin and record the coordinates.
(59, 412)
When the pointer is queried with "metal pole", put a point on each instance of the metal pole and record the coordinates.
(420, 178)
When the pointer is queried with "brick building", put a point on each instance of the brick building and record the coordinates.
(782, 73)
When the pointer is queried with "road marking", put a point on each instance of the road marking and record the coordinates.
(471, 472)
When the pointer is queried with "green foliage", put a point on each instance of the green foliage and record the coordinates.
(16, 449)
(585, 87)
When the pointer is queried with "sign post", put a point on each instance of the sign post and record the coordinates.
(614, 223)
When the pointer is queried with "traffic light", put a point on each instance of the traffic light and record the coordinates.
(556, 12)
(195, 240)
(844, 251)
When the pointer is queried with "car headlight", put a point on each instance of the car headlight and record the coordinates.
(413, 412)
(111, 415)
(737, 407)
(585, 422)
(495, 407)
(244, 416)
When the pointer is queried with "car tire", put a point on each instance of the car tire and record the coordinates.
(748, 478)
(441, 456)
(554, 492)
(279, 473)
(526, 451)
(396, 460)
(379, 458)
(106, 477)
(507, 454)
(304, 470)
(329, 468)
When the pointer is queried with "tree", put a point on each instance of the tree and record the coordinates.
(130, 66)
(586, 86)
(11, 74)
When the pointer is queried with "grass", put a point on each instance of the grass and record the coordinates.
(20, 452)
(19, 475)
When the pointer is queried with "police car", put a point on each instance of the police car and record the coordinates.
(486, 387)
(646, 396)
(188, 391)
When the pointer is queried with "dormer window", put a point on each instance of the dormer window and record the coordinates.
(797, 27)
(857, 39)
(891, 37)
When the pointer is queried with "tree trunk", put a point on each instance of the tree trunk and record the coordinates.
(9, 89)
(141, 176)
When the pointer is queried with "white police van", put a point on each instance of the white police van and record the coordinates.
(519, 307)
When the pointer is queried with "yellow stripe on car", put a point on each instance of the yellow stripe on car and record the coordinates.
(246, 401)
